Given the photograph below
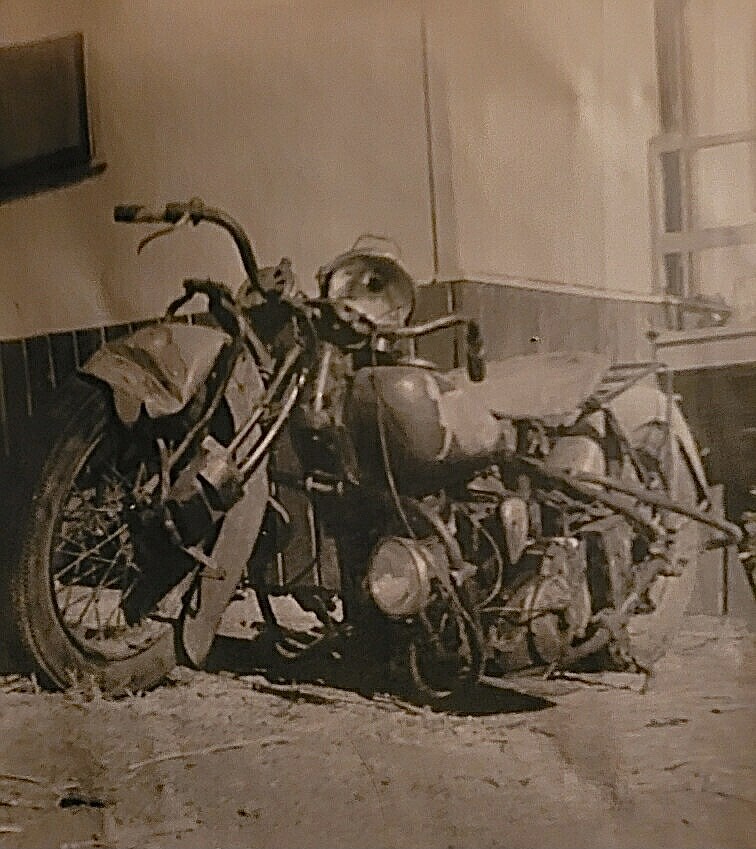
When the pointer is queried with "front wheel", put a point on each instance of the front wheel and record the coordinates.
(446, 660)
(77, 603)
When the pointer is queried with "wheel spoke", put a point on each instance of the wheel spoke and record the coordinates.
(97, 616)
(94, 597)
(64, 539)
(96, 558)
(67, 601)
(84, 555)
(115, 610)
(82, 576)
(93, 555)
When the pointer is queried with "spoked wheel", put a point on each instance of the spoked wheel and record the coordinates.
(446, 659)
(644, 413)
(83, 603)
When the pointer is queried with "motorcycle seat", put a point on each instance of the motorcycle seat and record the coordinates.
(549, 387)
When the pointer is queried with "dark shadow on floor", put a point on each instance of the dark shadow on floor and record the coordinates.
(359, 675)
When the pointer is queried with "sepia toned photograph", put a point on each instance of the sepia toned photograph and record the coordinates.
(377, 424)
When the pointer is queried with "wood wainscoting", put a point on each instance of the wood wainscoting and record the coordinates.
(516, 319)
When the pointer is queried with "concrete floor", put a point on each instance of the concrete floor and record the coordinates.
(570, 764)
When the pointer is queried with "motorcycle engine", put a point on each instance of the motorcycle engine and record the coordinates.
(546, 612)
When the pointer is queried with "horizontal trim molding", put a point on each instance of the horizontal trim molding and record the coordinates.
(556, 288)
(670, 142)
(705, 334)
(708, 347)
(704, 239)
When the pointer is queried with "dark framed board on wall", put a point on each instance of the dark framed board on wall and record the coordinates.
(45, 139)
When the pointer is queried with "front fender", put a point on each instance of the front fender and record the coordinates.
(159, 367)
(238, 532)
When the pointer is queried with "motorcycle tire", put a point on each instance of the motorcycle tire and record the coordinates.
(436, 681)
(74, 545)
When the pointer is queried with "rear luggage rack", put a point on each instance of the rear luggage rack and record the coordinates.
(618, 378)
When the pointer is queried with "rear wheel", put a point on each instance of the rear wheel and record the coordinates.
(80, 607)
(653, 629)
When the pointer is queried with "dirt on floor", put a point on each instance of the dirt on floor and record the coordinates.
(244, 757)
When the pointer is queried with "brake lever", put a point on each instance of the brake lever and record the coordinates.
(164, 231)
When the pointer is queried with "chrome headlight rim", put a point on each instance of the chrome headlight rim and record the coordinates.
(399, 576)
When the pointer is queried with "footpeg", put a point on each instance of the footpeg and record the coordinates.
(295, 644)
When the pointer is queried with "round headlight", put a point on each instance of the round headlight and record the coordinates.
(398, 576)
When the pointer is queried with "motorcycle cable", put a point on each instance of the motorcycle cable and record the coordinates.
(498, 583)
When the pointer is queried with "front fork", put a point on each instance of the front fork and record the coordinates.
(214, 480)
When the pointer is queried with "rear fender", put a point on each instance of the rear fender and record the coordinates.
(158, 368)
(642, 404)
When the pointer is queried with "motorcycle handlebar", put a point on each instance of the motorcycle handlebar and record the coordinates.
(195, 211)
(413, 331)
(476, 365)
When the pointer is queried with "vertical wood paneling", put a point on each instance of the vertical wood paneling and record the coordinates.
(16, 392)
(87, 342)
(116, 331)
(511, 317)
(63, 355)
(31, 370)
(569, 323)
(40, 373)
(606, 330)
(430, 302)
(720, 404)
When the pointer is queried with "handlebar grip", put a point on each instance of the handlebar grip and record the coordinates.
(127, 213)
(174, 212)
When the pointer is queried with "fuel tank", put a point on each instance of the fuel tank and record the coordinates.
(430, 428)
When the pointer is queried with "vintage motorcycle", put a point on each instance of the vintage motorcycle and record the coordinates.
(543, 511)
